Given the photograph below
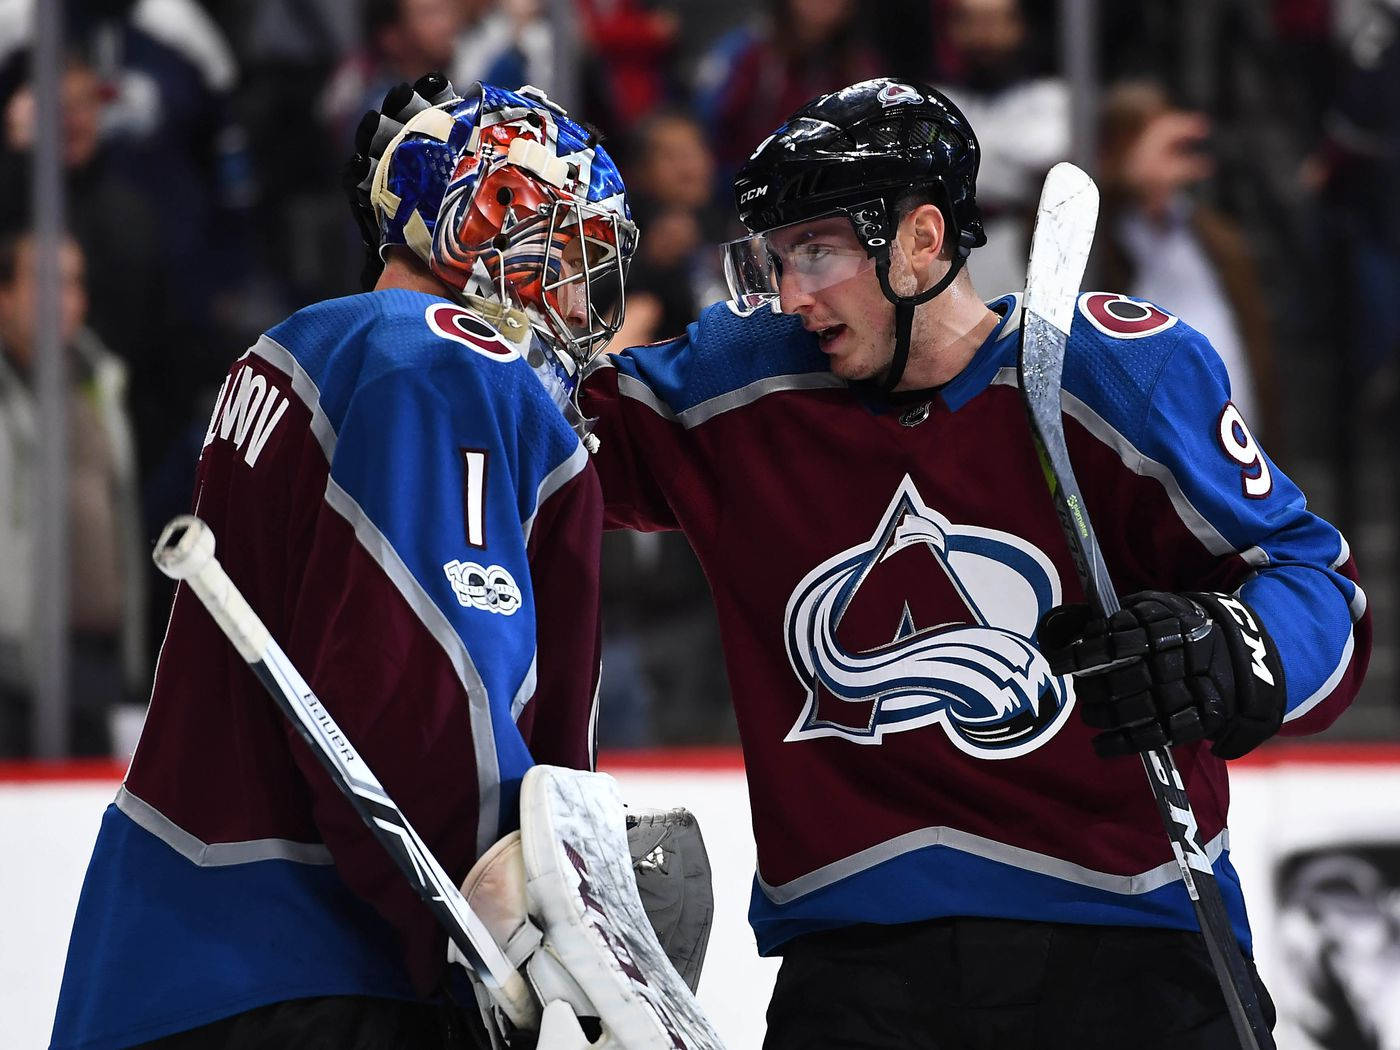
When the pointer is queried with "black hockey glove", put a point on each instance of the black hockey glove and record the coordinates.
(1168, 669)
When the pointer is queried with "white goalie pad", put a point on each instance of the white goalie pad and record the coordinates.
(582, 891)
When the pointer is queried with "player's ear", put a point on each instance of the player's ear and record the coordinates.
(925, 231)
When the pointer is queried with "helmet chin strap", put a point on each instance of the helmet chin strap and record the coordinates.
(903, 329)
(904, 314)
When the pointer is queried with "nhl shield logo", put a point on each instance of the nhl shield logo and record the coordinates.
(980, 677)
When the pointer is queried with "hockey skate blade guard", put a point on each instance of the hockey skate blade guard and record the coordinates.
(579, 880)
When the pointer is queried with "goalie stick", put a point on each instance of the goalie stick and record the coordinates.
(185, 551)
(1064, 231)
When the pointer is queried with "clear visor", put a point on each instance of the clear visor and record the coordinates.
(800, 258)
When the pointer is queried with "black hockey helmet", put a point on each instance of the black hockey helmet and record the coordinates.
(875, 141)
(858, 152)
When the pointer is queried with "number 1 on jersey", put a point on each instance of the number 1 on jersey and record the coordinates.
(474, 495)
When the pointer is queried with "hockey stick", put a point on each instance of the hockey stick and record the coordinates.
(1064, 230)
(185, 551)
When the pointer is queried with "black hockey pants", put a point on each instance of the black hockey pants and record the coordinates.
(337, 1022)
(995, 984)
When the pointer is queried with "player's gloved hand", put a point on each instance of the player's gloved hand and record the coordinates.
(1168, 669)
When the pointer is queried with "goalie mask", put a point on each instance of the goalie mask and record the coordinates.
(507, 199)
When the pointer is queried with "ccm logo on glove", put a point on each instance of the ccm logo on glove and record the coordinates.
(1169, 669)
(1250, 633)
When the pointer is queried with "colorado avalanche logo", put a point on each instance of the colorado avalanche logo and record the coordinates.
(982, 679)
(895, 94)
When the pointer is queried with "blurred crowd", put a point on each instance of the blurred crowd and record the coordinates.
(1247, 151)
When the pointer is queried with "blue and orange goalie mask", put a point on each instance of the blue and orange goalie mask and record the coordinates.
(504, 197)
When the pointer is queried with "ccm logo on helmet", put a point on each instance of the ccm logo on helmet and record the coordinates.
(895, 94)
(463, 326)
(1123, 318)
(756, 192)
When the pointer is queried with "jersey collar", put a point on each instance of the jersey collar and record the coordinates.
(995, 353)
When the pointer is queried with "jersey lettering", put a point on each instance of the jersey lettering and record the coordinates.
(246, 412)
(1256, 480)
(1123, 318)
(1187, 845)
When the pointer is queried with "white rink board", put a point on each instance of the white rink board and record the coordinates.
(50, 828)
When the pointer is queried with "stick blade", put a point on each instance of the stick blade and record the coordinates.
(1064, 232)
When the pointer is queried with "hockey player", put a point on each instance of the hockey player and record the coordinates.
(395, 487)
(949, 855)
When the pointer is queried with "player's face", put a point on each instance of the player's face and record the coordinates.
(829, 282)
(587, 291)
(573, 297)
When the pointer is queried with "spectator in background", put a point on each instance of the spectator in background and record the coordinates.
(634, 42)
(758, 74)
(1357, 169)
(109, 217)
(402, 40)
(168, 77)
(545, 44)
(107, 651)
(288, 50)
(663, 675)
(671, 172)
(1023, 127)
(134, 305)
(148, 111)
(509, 42)
(1156, 242)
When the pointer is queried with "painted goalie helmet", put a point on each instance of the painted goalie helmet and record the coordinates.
(504, 198)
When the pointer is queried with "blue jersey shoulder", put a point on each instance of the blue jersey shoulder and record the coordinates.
(1121, 349)
(345, 345)
(722, 352)
(412, 357)
(1164, 394)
